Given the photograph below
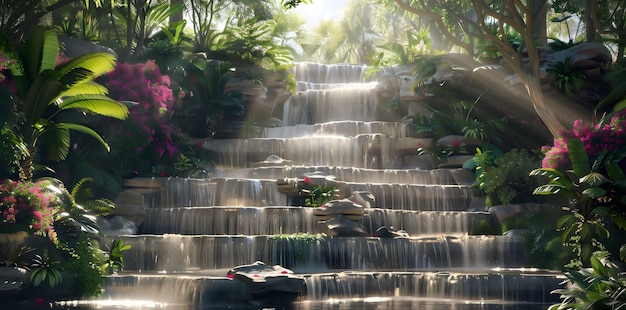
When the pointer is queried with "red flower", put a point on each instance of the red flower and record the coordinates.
(307, 180)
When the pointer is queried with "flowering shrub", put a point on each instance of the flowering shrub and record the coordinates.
(607, 136)
(149, 132)
(27, 206)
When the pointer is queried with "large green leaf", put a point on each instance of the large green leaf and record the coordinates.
(97, 104)
(39, 97)
(578, 157)
(594, 192)
(594, 179)
(39, 51)
(85, 88)
(56, 141)
(553, 189)
(556, 177)
(87, 130)
(96, 63)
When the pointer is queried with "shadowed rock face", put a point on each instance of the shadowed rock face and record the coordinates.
(342, 226)
(13, 281)
(344, 207)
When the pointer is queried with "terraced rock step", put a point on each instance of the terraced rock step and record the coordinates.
(183, 253)
(264, 192)
(276, 220)
(502, 287)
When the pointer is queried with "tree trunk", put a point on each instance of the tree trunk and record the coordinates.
(539, 9)
(591, 9)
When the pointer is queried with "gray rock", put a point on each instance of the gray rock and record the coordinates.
(335, 208)
(271, 161)
(363, 198)
(390, 232)
(267, 283)
(341, 226)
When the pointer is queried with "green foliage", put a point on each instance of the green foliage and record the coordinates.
(192, 167)
(597, 192)
(46, 92)
(85, 263)
(424, 123)
(290, 4)
(319, 195)
(566, 78)
(425, 68)
(505, 179)
(461, 120)
(485, 227)
(617, 94)
(44, 268)
(601, 287)
(300, 236)
(115, 259)
(543, 241)
(209, 102)
(250, 42)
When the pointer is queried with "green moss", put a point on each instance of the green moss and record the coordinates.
(485, 227)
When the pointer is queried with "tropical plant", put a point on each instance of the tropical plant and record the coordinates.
(504, 178)
(424, 123)
(44, 268)
(135, 21)
(597, 190)
(209, 102)
(565, 77)
(115, 259)
(77, 228)
(603, 286)
(250, 42)
(617, 95)
(192, 167)
(319, 195)
(47, 94)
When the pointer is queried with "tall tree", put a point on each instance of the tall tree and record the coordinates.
(492, 17)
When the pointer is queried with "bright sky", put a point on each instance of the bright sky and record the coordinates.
(322, 10)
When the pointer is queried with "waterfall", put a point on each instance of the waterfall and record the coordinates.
(194, 230)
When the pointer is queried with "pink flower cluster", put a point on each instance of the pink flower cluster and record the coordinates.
(149, 130)
(595, 138)
(27, 206)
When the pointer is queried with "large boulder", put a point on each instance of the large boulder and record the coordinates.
(268, 285)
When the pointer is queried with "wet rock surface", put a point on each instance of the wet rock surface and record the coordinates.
(268, 285)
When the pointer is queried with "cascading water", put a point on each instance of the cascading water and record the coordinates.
(195, 230)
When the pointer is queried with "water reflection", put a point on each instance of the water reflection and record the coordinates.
(371, 303)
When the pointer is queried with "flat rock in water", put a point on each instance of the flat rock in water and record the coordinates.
(263, 280)
(390, 232)
(334, 208)
(272, 160)
(342, 226)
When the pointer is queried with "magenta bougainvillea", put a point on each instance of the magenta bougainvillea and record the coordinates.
(149, 131)
(27, 206)
(609, 136)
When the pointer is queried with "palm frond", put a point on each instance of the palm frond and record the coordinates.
(97, 104)
(85, 129)
(39, 97)
(96, 63)
(100, 206)
(56, 141)
(82, 190)
(39, 51)
(84, 88)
